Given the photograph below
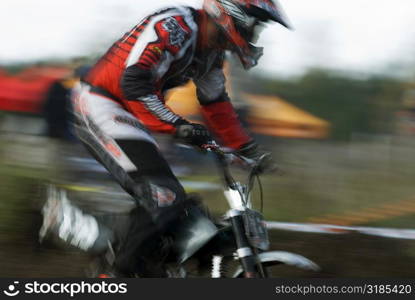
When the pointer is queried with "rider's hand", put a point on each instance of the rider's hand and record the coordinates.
(253, 152)
(193, 134)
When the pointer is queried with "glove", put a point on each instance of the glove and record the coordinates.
(252, 151)
(193, 134)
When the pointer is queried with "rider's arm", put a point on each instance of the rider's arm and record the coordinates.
(147, 63)
(217, 108)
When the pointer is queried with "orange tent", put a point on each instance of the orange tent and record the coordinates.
(183, 101)
(271, 115)
(268, 115)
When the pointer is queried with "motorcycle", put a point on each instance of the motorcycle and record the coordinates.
(237, 245)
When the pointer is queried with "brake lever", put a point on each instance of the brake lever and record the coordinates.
(232, 158)
(273, 168)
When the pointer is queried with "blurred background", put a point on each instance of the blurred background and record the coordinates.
(334, 100)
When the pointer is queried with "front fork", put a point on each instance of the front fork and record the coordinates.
(248, 258)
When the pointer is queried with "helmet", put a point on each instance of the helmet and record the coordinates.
(238, 18)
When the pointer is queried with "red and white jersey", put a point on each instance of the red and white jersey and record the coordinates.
(162, 52)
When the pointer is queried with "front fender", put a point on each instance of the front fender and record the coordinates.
(282, 257)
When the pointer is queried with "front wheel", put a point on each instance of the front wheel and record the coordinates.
(275, 262)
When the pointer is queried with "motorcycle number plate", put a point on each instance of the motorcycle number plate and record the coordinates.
(256, 229)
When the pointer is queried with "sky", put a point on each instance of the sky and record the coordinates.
(367, 36)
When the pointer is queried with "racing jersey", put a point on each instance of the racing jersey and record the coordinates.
(163, 51)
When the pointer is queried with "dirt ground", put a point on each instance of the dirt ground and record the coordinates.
(339, 256)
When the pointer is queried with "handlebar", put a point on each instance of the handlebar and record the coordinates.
(232, 157)
(222, 158)
(226, 158)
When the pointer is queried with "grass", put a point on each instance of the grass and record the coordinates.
(293, 198)
(402, 222)
(319, 180)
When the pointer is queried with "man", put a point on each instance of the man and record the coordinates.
(122, 98)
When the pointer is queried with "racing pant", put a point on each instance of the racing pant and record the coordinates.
(126, 149)
(123, 145)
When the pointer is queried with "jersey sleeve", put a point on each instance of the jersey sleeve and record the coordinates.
(150, 59)
(217, 108)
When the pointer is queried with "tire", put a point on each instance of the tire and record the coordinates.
(282, 264)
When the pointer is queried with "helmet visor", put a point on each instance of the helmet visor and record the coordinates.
(251, 34)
